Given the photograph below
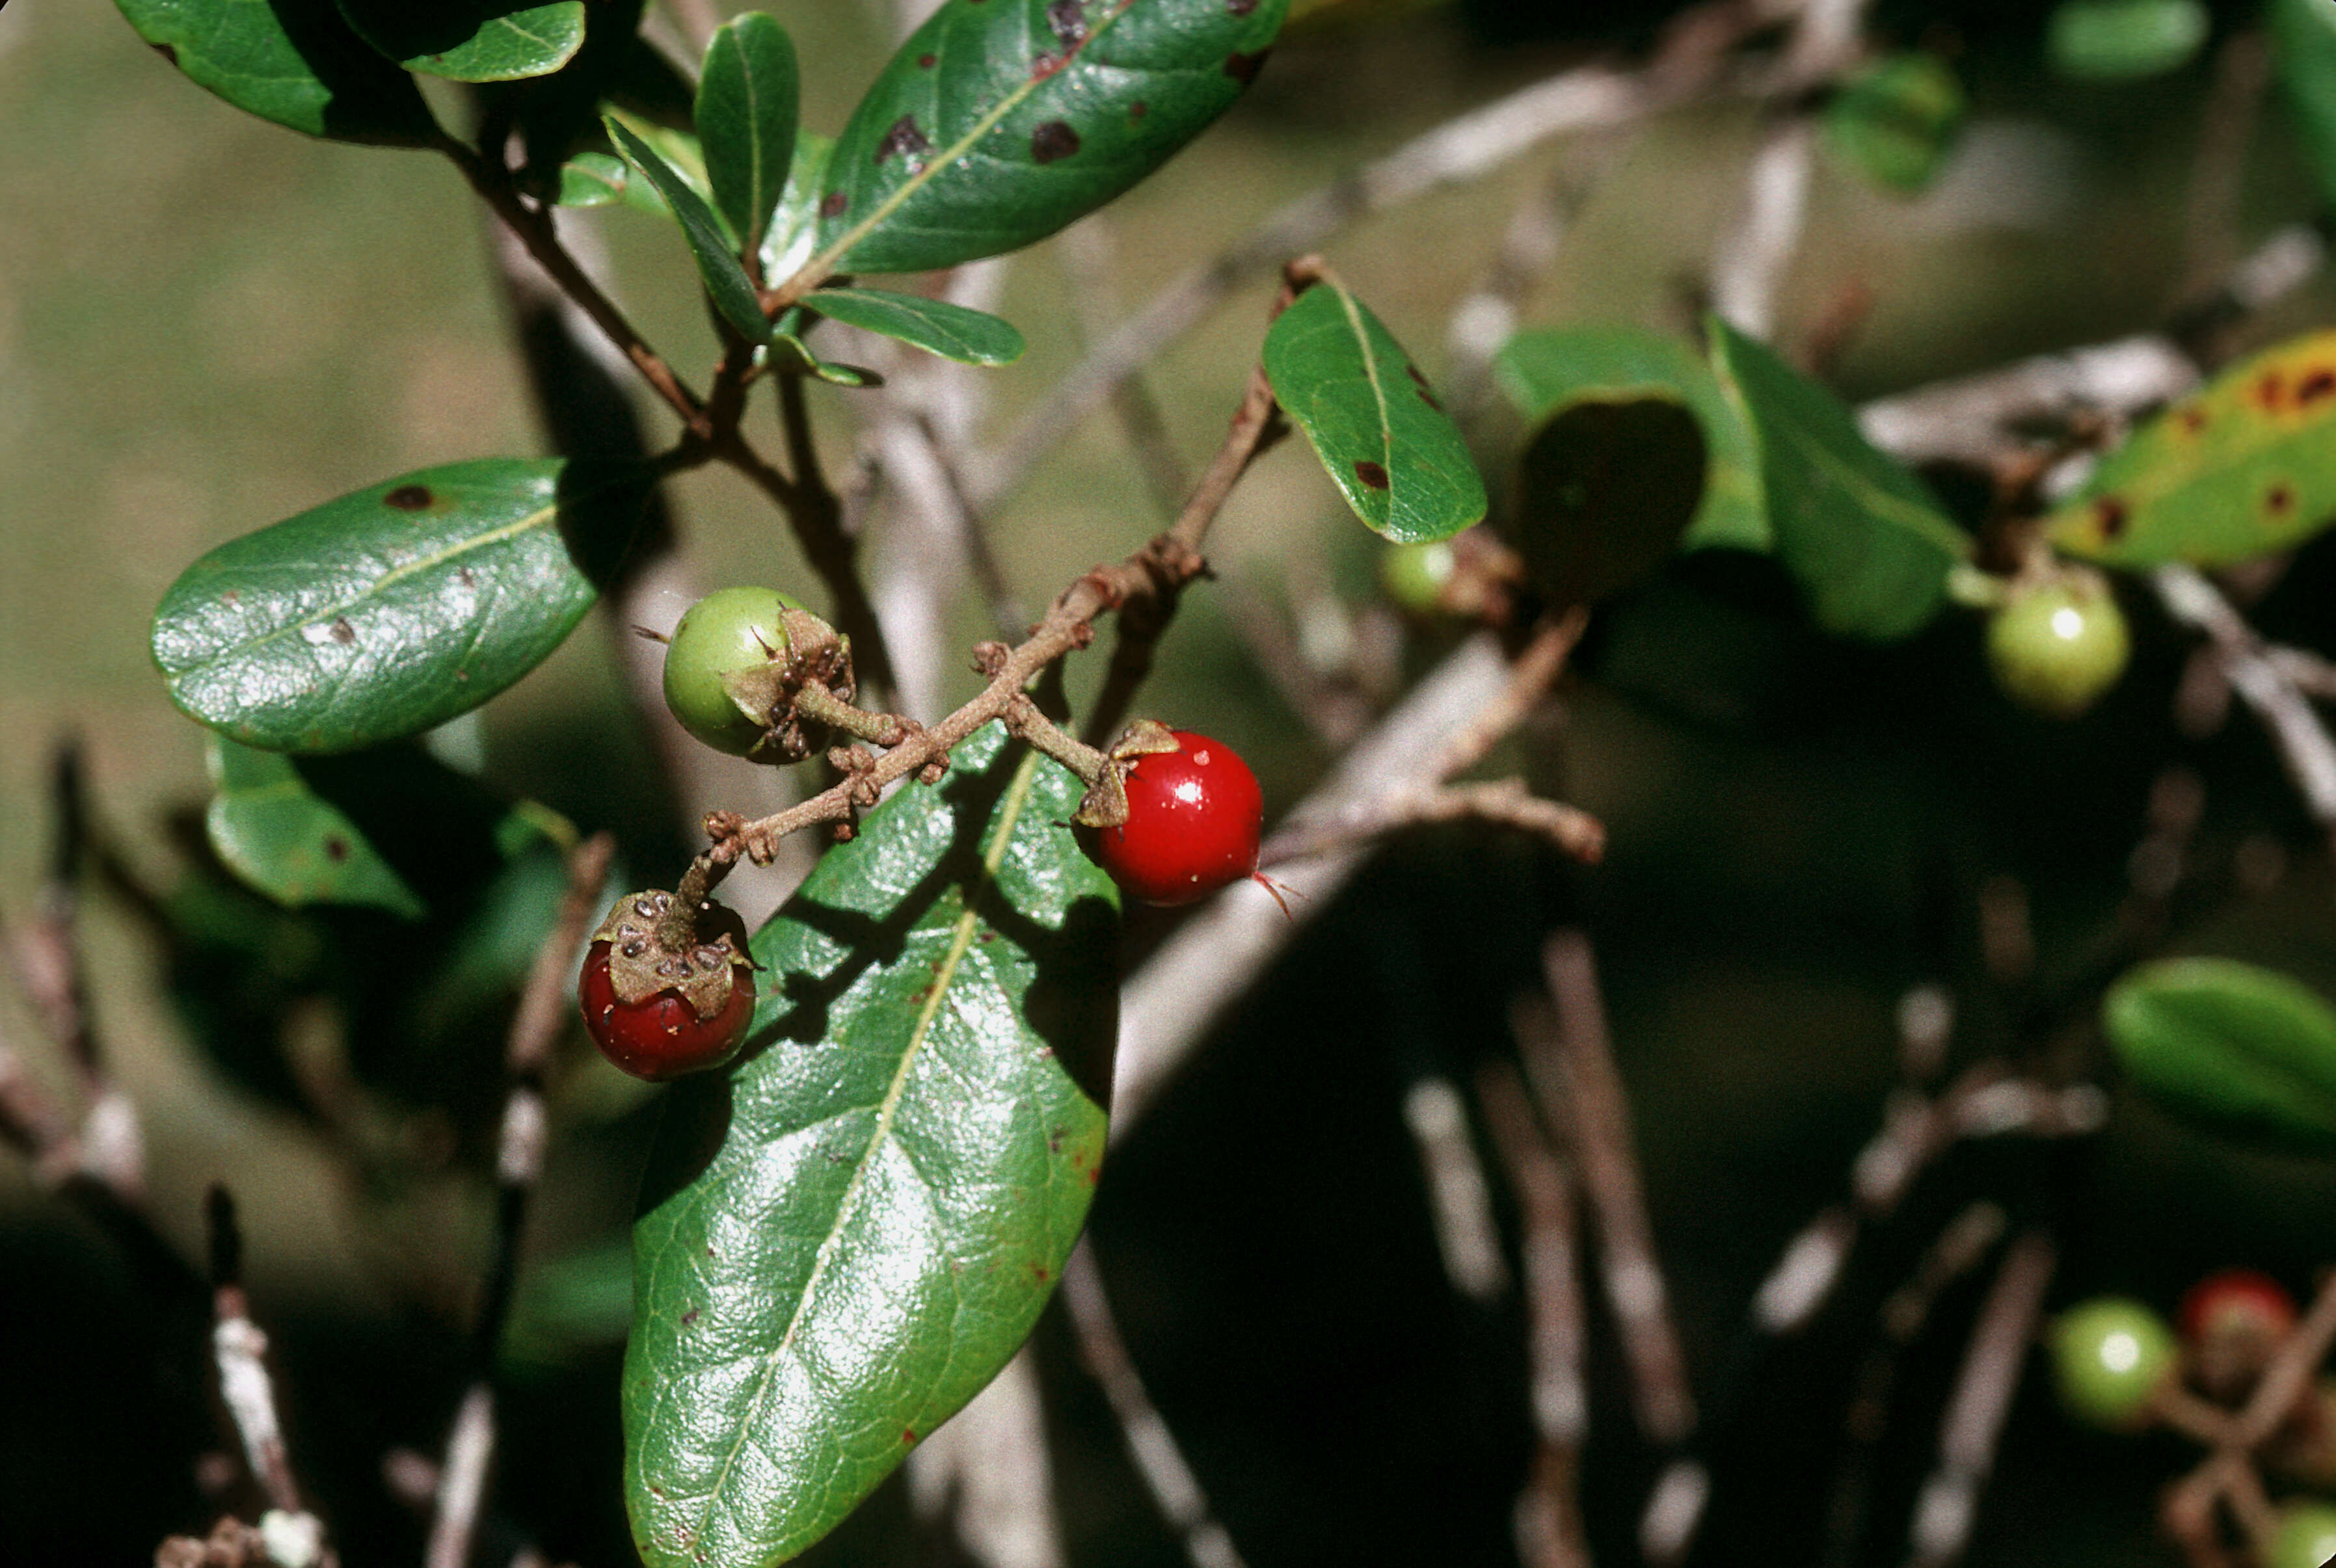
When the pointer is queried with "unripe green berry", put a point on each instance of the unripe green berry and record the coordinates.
(2057, 648)
(729, 630)
(2110, 1355)
(2306, 1537)
(1413, 576)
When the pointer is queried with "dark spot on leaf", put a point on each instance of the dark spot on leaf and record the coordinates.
(904, 137)
(690, 1317)
(2110, 518)
(337, 848)
(2267, 389)
(1068, 18)
(408, 497)
(1241, 7)
(167, 53)
(1244, 68)
(2315, 386)
(833, 204)
(469, 578)
(1045, 63)
(1054, 1141)
(2193, 419)
(1426, 392)
(909, 1434)
(1053, 140)
(461, 674)
(924, 63)
(343, 633)
(1138, 110)
(1040, 1273)
(2281, 500)
(1371, 474)
(231, 598)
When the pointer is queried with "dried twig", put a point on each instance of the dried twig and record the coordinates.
(1175, 1489)
(1459, 1203)
(543, 1010)
(1504, 802)
(1754, 253)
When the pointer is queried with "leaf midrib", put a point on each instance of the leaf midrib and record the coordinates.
(1355, 324)
(945, 975)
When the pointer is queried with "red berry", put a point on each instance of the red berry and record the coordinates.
(1194, 816)
(661, 1036)
(2242, 1301)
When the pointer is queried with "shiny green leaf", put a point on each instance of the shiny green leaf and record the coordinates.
(794, 228)
(747, 100)
(593, 180)
(272, 829)
(1896, 119)
(788, 352)
(393, 608)
(2124, 40)
(2230, 1048)
(935, 325)
(725, 280)
(1544, 369)
(2243, 467)
(846, 1236)
(1863, 537)
(2303, 54)
(1373, 419)
(472, 40)
(294, 61)
(999, 121)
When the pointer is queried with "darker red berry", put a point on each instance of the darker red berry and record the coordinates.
(1194, 816)
(2231, 1322)
(661, 1036)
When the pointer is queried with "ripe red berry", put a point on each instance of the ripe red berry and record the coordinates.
(2231, 1322)
(661, 1036)
(1194, 816)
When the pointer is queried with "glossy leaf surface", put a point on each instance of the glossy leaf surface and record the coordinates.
(395, 607)
(2124, 40)
(269, 826)
(794, 228)
(2230, 1048)
(1864, 537)
(472, 40)
(1896, 121)
(937, 326)
(2244, 465)
(998, 122)
(2303, 54)
(1373, 419)
(1546, 369)
(725, 280)
(294, 61)
(748, 97)
(593, 180)
(847, 1235)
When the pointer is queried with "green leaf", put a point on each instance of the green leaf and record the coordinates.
(393, 608)
(794, 228)
(726, 282)
(2303, 53)
(845, 1238)
(1545, 370)
(1605, 490)
(269, 826)
(999, 121)
(747, 99)
(935, 325)
(593, 180)
(472, 40)
(2230, 1048)
(788, 350)
(2243, 467)
(2124, 40)
(1864, 537)
(1372, 417)
(1897, 119)
(292, 61)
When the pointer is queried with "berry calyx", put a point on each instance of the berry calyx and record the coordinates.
(736, 664)
(2110, 1355)
(2056, 648)
(2230, 1322)
(1193, 816)
(667, 990)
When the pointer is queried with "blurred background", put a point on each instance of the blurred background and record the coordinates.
(208, 324)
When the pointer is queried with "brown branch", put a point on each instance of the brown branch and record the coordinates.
(1534, 671)
(1504, 802)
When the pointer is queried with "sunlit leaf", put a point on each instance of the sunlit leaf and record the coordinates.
(294, 61)
(1374, 422)
(998, 122)
(2243, 467)
(935, 325)
(472, 40)
(2231, 1049)
(593, 180)
(847, 1235)
(2124, 40)
(393, 608)
(269, 826)
(2304, 53)
(725, 280)
(1864, 538)
(1896, 121)
(747, 99)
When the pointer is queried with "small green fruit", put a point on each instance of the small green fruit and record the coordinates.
(2306, 1537)
(2055, 649)
(2110, 1355)
(729, 630)
(1413, 576)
